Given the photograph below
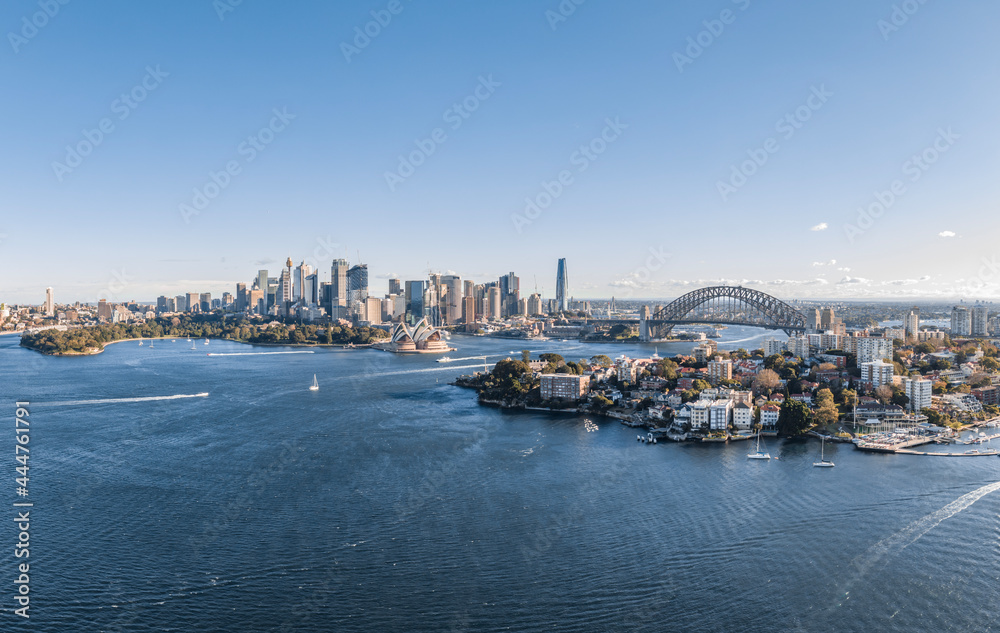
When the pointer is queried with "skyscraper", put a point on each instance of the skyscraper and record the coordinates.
(205, 300)
(299, 293)
(961, 321)
(50, 306)
(357, 288)
(242, 297)
(510, 287)
(414, 298)
(562, 285)
(980, 320)
(912, 322)
(494, 303)
(394, 287)
(193, 302)
(338, 289)
(453, 298)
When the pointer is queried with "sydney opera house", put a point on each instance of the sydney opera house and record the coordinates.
(421, 338)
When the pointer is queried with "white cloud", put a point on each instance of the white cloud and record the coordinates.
(946, 234)
(822, 226)
(854, 280)
(832, 262)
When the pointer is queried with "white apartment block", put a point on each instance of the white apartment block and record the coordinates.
(743, 416)
(877, 373)
(918, 390)
(871, 349)
(721, 414)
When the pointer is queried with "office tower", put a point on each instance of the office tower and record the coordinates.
(826, 317)
(468, 288)
(432, 303)
(161, 304)
(227, 300)
(271, 295)
(912, 323)
(961, 321)
(283, 295)
(980, 321)
(181, 303)
(50, 306)
(258, 302)
(414, 299)
(357, 287)
(171, 304)
(562, 286)
(534, 304)
(205, 301)
(104, 310)
(510, 287)
(453, 298)
(373, 310)
(469, 309)
(522, 307)
(394, 287)
(311, 293)
(338, 289)
(299, 291)
(494, 308)
(193, 302)
(242, 298)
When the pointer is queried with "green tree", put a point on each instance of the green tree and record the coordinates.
(526, 355)
(793, 418)
(826, 411)
(602, 360)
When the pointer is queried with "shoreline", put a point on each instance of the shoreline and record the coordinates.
(95, 352)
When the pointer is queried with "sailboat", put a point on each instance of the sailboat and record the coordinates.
(823, 462)
(315, 385)
(192, 346)
(140, 342)
(758, 454)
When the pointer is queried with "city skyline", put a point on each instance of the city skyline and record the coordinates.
(766, 158)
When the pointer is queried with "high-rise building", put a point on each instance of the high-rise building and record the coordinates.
(193, 302)
(961, 321)
(494, 311)
(980, 320)
(357, 287)
(562, 286)
(912, 323)
(414, 299)
(242, 297)
(870, 348)
(310, 295)
(205, 301)
(876, 373)
(161, 305)
(372, 310)
(104, 310)
(918, 390)
(227, 300)
(181, 303)
(338, 288)
(468, 288)
(394, 287)
(453, 298)
(469, 311)
(299, 291)
(50, 306)
(258, 302)
(510, 287)
(813, 319)
(534, 304)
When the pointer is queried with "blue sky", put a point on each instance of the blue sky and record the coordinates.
(646, 218)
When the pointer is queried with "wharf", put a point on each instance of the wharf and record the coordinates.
(985, 453)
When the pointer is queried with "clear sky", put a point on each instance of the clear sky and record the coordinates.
(664, 202)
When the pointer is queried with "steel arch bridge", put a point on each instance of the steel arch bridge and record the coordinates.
(726, 305)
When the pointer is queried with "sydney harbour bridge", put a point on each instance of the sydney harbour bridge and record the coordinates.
(722, 305)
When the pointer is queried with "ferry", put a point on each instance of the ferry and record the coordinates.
(444, 359)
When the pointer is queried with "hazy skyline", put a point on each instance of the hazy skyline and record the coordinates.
(297, 120)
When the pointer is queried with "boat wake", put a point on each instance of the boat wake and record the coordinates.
(120, 400)
(261, 353)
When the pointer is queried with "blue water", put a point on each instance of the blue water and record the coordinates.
(390, 501)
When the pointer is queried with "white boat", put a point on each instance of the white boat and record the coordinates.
(192, 346)
(206, 341)
(823, 462)
(758, 454)
(444, 359)
(189, 340)
(140, 343)
(315, 385)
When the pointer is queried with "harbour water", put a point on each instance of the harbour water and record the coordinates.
(390, 501)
